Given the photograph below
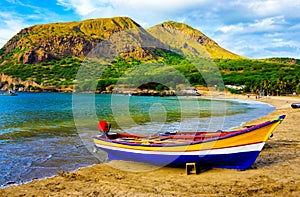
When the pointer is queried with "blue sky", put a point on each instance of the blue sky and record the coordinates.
(255, 29)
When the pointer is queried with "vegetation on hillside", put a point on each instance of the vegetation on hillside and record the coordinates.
(261, 76)
(255, 75)
(284, 60)
(52, 73)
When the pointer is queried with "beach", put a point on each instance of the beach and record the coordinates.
(276, 171)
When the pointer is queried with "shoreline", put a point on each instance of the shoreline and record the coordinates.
(230, 121)
(275, 172)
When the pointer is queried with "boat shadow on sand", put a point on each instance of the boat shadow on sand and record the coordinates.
(275, 152)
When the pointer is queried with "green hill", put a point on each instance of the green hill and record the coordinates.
(261, 76)
(184, 38)
(43, 43)
(283, 60)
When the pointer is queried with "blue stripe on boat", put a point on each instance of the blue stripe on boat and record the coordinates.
(240, 161)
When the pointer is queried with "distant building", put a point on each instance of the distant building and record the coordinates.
(235, 87)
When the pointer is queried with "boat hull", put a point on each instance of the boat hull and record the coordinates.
(240, 158)
(236, 150)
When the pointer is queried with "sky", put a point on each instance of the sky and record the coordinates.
(254, 29)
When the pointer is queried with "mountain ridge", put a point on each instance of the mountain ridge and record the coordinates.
(45, 42)
(174, 29)
(42, 43)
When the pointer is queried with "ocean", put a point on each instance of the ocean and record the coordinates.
(42, 134)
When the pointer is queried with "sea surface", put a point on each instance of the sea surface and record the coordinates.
(42, 134)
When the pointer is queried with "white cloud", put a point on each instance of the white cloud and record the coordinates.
(269, 24)
(11, 24)
(258, 41)
(83, 8)
(89, 6)
(144, 12)
(272, 7)
(261, 25)
(232, 28)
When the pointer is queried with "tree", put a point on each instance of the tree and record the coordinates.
(298, 88)
(11, 86)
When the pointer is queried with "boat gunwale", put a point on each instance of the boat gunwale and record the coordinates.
(235, 133)
(176, 151)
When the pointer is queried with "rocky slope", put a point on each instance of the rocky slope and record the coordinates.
(186, 39)
(42, 43)
(8, 82)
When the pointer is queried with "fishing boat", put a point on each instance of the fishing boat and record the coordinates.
(9, 93)
(237, 149)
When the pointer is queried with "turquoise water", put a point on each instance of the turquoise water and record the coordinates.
(42, 133)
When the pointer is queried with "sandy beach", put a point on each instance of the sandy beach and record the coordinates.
(276, 171)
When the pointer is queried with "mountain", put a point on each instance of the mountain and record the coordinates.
(48, 57)
(50, 54)
(43, 43)
(184, 38)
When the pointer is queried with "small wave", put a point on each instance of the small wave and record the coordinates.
(251, 102)
(26, 133)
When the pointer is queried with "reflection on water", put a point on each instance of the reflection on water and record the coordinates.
(38, 134)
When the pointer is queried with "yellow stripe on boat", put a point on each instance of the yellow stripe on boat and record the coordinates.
(258, 135)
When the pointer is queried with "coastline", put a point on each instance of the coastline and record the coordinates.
(275, 172)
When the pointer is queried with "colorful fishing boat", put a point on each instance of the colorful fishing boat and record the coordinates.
(236, 149)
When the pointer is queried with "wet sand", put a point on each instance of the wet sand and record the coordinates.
(276, 171)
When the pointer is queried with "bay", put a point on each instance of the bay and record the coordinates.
(44, 133)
